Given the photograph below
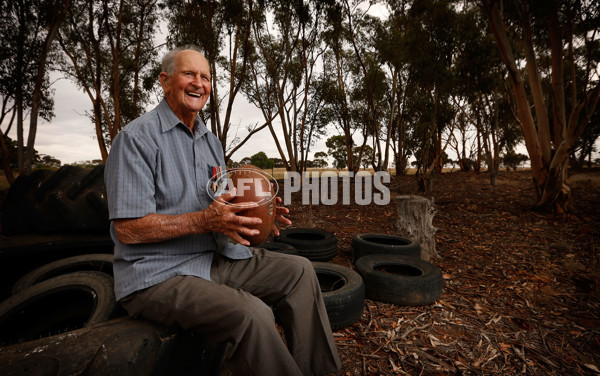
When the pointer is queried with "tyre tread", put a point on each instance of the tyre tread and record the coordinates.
(400, 289)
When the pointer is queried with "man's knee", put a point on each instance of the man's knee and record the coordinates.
(303, 262)
(295, 264)
(304, 267)
(252, 312)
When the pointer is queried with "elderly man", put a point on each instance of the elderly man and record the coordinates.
(180, 258)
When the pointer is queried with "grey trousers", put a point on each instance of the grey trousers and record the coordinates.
(235, 308)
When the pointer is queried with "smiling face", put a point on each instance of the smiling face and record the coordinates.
(187, 89)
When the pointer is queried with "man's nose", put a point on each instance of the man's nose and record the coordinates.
(197, 80)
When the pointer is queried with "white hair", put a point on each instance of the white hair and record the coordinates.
(168, 61)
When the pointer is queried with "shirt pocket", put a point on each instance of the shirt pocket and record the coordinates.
(216, 183)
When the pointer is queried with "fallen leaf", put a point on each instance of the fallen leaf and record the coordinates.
(592, 367)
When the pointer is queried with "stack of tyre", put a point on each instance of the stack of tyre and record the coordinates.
(343, 288)
(62, 319)
(388, 269)
(72, 198)
(393, 271)
(61, 296)
(58, 314)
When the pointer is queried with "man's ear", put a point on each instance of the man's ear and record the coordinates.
(164, 80)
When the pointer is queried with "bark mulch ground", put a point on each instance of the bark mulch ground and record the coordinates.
(522, 287)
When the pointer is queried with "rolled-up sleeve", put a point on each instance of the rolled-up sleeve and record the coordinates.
(129, 176)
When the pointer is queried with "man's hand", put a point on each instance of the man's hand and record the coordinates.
(279, 216)
(222, 217)
(218, 217)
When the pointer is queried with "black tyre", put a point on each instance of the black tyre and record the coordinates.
(57, 305)
(119, 347)
(343, 293)
(314, 244)
(17, 208)
(373, 244)
(70, 199)
(92, 262)
(20, 254)
(279, 247)
(400, 280)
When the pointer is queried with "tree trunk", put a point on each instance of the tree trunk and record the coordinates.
(115, 49)
(20, 137)
(523, 108)
(60, 10)
(8, 172)
(99, 134)
(19, 95)
(415, 221)
(390, 125)
(549, 175)
(477, 166)
(5, 160)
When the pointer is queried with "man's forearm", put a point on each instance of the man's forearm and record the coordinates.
(217, 217)
(159, 227)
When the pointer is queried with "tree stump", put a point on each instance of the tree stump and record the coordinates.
(415, 221)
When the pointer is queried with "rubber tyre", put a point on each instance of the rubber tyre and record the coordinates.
(57, 305)
(279, 248)
(314, 244)
(16, 210)
(373, 244)
(400, 280)
(343, 293)
(70, 199)
(91, 262)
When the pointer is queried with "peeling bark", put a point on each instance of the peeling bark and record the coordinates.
(415, 221)
(549, 157)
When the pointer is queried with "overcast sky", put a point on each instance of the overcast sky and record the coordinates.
(70, 136)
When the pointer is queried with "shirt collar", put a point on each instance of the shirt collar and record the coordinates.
(169, 120)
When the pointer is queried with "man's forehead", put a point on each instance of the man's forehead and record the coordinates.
(188, 59)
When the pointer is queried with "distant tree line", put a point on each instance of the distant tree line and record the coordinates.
(511, 160)
(404, 79)
(10, 158)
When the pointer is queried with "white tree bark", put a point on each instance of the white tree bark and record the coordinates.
(415, 221)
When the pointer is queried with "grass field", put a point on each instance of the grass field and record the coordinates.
(279, 173)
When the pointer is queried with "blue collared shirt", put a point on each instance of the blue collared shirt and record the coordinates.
(157, 165)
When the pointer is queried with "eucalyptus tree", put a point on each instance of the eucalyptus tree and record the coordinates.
(497, 131)
(16, 76)
(431, 44)
(109, 53)
(316, 120)
(391, 44)
(337, 82)
(373, 95)
(586, 145)
(28, 30)
(557, 40)
(336, 147)
(355, 82)
(371, 80)
(479, 90)
(283, 71)
(459, 138)
(223, 30)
